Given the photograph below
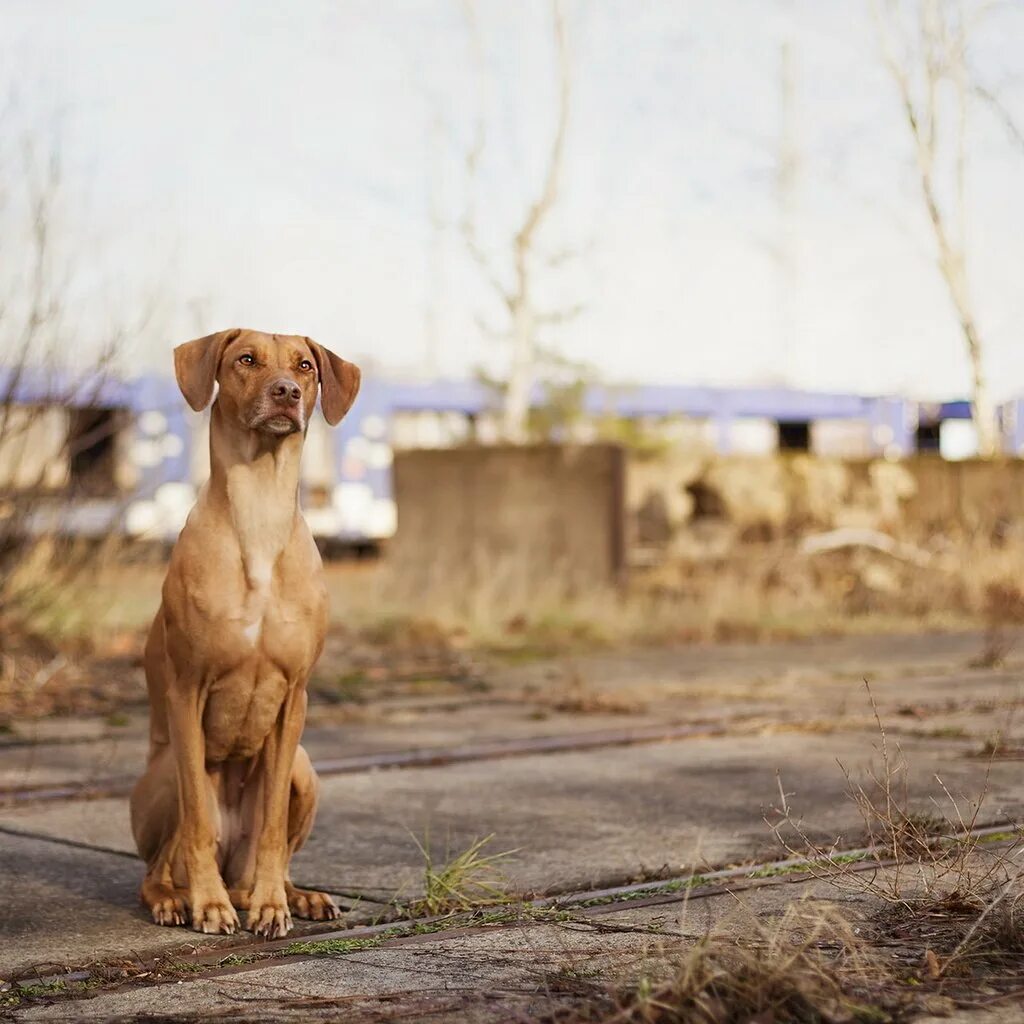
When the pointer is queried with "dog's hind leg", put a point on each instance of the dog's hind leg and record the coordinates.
(154, 816)
(302, 802)
(154, 813)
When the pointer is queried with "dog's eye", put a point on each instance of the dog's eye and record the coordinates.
(247, 360)
(305, 365)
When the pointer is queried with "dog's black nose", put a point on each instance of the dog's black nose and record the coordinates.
(286, 391)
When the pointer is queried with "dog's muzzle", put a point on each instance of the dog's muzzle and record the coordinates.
(281, 410)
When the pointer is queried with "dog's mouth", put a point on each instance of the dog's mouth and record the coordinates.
(280, 423)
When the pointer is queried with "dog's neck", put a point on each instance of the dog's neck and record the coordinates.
(254, 479)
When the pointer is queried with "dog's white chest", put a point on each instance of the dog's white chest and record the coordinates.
(259, 575)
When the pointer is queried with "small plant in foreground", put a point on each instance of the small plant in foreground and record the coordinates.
(466, 880)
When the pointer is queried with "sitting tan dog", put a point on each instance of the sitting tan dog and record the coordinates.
(229, 794)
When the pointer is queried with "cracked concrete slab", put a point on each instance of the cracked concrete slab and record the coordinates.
(581, 819)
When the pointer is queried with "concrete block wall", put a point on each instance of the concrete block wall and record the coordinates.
(513, 518)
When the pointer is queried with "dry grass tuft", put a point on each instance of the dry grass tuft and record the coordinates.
(463, 881)
(70, 638)
(747, 591)
(809, 967)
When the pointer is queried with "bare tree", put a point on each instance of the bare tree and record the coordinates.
(518, 297)
(50, 394)
(924, 46)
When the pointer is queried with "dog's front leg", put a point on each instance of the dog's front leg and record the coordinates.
(208, 899)
(268, 908)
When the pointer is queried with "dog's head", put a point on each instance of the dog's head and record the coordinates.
(268, 382)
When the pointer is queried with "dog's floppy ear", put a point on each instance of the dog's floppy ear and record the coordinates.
(196, 363)
(339, 382)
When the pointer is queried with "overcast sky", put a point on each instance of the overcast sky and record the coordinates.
(270, 164)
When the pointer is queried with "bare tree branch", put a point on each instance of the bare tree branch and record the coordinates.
(474, 154)
(549, 193)
(515, 289)
(998, 108)
(937, 56)
(524, 318)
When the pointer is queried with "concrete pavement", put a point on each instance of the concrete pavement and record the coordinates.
(577, 819)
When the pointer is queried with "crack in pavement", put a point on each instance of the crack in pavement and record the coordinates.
(422, 757)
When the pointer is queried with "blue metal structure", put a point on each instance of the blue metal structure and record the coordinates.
(887, 418)
(159, 438)
(163, 434)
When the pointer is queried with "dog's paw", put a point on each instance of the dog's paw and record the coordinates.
(214, 915)
(169, 911)
(313, 905)
(268, 915)
(166, 904)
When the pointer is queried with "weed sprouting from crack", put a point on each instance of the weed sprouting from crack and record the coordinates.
(511, 914)
(20, 992)
(673, 885)
(335, 947)
(801, 866)
(808, 865)
(938, 881)
(462, 882)
(918, 854)
(184, 967)
(239, 959)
